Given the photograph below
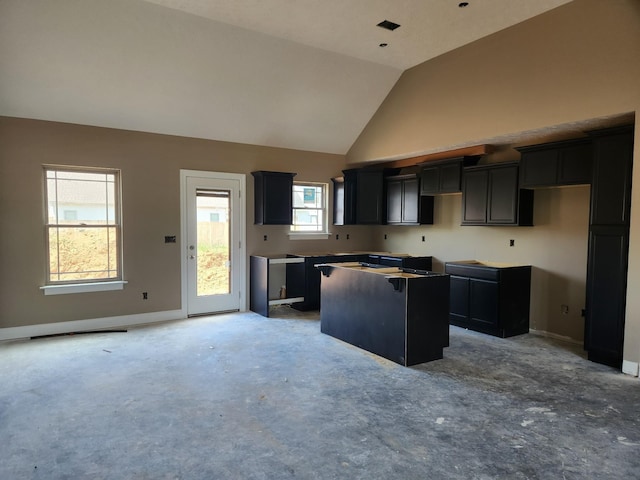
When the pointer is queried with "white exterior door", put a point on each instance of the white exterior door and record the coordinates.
(213, 211)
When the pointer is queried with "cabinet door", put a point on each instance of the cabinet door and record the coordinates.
(410, 197)
(474, 197)
(483, 304)
(350, 193)
(278, 199)
(450, 177)
(539, 169)
(575, 165)
(430, 180)
(395, 201)
(606, 294)
(611, 190)
(273, 198)
(370, 205)
(503, 195)
(459, 299)
(338, 201)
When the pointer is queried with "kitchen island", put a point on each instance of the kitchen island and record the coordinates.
(399, 314)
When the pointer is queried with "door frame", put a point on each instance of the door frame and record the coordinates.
(240, 268)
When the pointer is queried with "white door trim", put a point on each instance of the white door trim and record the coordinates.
(241, 265)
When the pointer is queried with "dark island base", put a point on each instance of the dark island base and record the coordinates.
(401, 317)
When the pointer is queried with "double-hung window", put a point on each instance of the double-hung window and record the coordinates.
(83, 229)
(309, 209)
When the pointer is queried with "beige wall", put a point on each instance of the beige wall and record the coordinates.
(150, 167)
(556, 247)
(570, 65)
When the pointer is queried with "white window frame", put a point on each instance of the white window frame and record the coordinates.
(52, 287)
(324, 234)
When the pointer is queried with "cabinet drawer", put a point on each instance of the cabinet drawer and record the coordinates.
(471, 271)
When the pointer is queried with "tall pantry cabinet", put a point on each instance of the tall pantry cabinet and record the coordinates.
(608, 244)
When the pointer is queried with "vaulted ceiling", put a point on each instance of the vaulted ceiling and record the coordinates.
(303, 74)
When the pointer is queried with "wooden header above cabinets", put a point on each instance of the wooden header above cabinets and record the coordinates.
(474, 151)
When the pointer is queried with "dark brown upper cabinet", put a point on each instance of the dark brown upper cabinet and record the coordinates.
(491, 196)
(554, 164)
(273, 197)
(360, 197)
(371, 206)
(443, 176)
(405, 205)
(344, 197)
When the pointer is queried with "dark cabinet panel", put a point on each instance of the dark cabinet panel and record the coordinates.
(483, 303)
(611, 190)
(273, 193)
(608, 245)
(499, 306)
(539, 168)
(503, 195)
(338, 201)
(410, 199)
(430, 180)
(554, 164)
(350, 193)
(405, 205)
(450, 177)
(474, 197)
(444, 176)
(459, 301)
(370, 198)
(575, 164)
(394, 201)
(404, 321)
(606, 294)
(490, 196)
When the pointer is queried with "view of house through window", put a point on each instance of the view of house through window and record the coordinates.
(83, 225)
(309, 208)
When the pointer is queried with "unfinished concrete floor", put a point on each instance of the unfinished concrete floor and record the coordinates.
(240, 396)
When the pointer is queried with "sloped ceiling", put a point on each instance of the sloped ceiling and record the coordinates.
(302, 74)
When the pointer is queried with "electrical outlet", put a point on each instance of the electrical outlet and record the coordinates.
(564, 309)
(385, 236)
(170, 239)
(337, 237)
(512, 242)
(145, 296)
(423, 238)
(264, 238)
(347, 236)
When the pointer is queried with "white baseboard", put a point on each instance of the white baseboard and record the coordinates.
(630, 368)
(14, 333)
(555, 336)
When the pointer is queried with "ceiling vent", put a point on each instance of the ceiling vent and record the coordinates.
(388, 25)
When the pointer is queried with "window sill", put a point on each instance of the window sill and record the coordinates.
(309, 236)
(83, 287)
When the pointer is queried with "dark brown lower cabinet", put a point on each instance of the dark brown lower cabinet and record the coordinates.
(399, 316)
(606, 294)
(492, 300)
